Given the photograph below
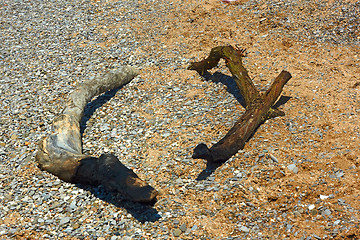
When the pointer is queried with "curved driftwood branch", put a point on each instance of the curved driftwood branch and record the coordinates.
(60, 153)
(258, 106)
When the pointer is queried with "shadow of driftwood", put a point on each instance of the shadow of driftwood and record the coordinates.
(95, 104)
(229, 82)
(141, 212)
(282, 100)
(210, 168)
(233, 89)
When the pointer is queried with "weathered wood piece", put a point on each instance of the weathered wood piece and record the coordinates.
(258, 106)
(60, 153)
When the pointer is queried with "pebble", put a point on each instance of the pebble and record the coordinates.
(311, 206)
(339, 173)
(183, 227)
(177, 232)
(75, 226)
(337, 222)
(244, 229)
(327, 212)
(341, 202)
(293, 168)
(64, 220)
(323, 197)
(313, 212)
(316, 236)
(288, 226)
(274, 158)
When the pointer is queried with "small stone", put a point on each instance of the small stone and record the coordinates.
(327, 212)
(293, 168)
(337, 222)
(297, 214)
(73, 204)
(177, 232)
(323, 197)
(179, 181)
(13, 137)
(64, 220)
(338, 209)
(311, 207)
(195, 227)
(341, 201)
(316, 236)
(313, 212)
(183, 227)
(274, 158)
(75, 226)
(339, 174)
(240, 175)
(25, 199)
(167, 134)
(244, 229)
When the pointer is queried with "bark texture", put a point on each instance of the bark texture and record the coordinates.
(258, 106)
(60, 153)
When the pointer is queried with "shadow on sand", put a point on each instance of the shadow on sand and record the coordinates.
(140, 211)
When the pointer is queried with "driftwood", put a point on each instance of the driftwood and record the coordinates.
(258, 106)
(60, 153)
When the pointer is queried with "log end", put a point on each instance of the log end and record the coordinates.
(203, 152)
(218, 153)
(64, 168)
(139, 190)
(286, 75)
(108, 171)
(199, 67)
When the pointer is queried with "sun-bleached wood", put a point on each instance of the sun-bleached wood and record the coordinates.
(60, 153)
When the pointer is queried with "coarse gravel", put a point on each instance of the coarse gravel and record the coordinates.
(297, 178)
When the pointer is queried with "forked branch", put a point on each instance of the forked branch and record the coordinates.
(258, 106)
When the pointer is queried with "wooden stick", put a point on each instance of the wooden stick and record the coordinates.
(258, 107)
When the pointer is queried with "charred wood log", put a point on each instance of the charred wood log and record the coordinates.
(60, 153)
(258, 106)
